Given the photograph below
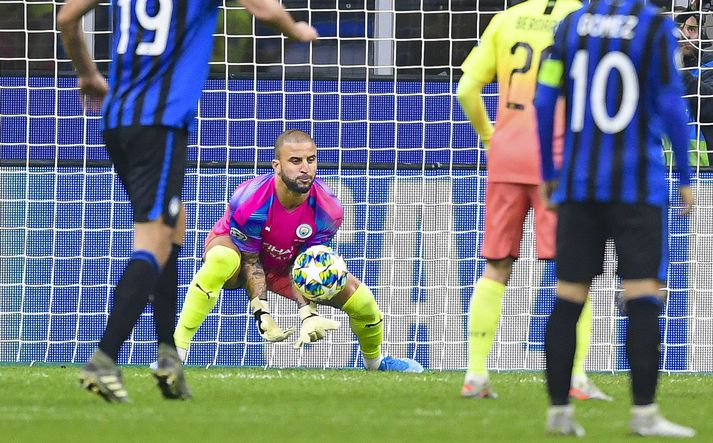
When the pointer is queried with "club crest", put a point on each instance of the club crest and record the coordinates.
(304, 231)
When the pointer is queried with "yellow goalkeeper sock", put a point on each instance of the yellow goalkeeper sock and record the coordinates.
(220, 264)
(366, 321)
(483, 323)
(584, 335)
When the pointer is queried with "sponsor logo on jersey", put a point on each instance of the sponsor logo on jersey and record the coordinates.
(281, 254)
(234, 232)
(304, 231)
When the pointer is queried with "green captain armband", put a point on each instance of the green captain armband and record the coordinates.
(551, 73)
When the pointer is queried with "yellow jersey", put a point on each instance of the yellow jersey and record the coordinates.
(510, 49)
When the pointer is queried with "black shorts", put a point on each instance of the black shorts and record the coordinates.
(638, 231)
(150, 161)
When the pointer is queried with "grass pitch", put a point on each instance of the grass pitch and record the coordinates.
(45, 404)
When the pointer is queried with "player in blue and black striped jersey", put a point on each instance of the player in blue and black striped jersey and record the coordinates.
(615, 62)
(160, 55)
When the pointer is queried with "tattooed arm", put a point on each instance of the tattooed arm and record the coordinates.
(254, 275)
(256, 287)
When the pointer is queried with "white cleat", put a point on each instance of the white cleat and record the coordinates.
(477, 387)
(646, 421)
(561, 421)
(584, 389)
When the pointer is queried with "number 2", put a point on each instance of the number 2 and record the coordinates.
(529, 52)
(521, 70)
(159, 24)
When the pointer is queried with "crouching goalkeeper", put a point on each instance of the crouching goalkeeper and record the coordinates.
(270, 219)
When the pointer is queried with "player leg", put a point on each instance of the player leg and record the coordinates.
(638, 232)
(582, 388)
(507, 205)
(220, 268)
(139, 155)
(367, 323)
(165, 296)
(169, 369)
(545, 232)
(581, 238)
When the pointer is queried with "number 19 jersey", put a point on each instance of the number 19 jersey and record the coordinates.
(511, 49)
(160, 54)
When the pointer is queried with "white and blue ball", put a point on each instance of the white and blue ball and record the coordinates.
(319, 273)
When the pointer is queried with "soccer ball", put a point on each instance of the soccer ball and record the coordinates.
(319, 273)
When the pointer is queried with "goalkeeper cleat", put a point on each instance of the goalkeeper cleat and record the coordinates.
(585, 389)
(391, 364)
(477, 387)
(169, 374)
(561, 421)
(646, 421)
(103, 377)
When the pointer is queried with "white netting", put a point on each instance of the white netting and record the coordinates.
(377, 93)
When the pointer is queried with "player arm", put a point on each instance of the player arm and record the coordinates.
(469, 94)
(254, 275)
(69, 23)
(273, 13)
(548, 90)
(669, 99)
(676, 127)
(479, 69)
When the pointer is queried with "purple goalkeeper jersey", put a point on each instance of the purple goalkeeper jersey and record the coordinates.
(259, 224)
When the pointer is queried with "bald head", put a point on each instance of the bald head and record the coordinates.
(291, 136)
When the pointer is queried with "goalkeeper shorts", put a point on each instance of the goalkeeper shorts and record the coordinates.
(278, 282)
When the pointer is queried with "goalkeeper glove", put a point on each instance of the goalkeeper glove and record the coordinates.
(313, 327)
(266, 324)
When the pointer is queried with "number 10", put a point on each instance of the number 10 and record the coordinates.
(598, 94)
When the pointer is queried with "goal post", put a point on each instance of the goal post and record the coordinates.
(378, 95)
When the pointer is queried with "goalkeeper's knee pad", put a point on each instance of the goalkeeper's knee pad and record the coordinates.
(220, 263)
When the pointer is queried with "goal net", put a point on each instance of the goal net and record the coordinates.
(378, 95)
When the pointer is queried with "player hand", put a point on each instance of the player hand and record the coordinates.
(266, 324)
(313, 327)
(687, 198)
(303, 32)
(546, 190)
(92, 89)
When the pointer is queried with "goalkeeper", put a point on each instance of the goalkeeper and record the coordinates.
(510, 49)
(270, 219)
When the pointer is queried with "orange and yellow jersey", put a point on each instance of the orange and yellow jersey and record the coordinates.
(510, 50)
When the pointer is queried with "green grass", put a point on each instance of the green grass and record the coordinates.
(44, 404)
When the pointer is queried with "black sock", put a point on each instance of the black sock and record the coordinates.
(642, 347)
(164, 300)
(560, 344)
(130, 298)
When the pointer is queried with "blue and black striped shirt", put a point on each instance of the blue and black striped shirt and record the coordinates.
(615, 63)
(160, 55)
